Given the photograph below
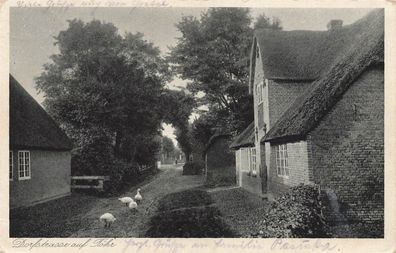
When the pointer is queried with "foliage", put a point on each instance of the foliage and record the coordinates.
(168, 151)
(202, 129)
(240, 209)
(184, 199)
(193, 168)
(213, 53)
(264, 22)
(177, 107)
(188, 214)
(168, 147)
(295, 214)
(56, 218)
(221, 177)
(106, 90)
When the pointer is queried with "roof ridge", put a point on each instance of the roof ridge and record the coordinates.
(30, 124)
(306, 111)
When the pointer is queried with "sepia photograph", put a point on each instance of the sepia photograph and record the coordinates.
(196, 122)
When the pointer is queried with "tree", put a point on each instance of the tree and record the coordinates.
(177, 107)
(106, 88)
(168, 148)
(264, 22)
(213, 53)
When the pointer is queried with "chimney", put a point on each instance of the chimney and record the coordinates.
(334, 25)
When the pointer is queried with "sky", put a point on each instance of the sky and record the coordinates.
(32, 32)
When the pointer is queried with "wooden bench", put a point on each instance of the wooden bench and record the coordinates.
(93, 182)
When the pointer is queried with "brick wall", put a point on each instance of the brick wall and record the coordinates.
(277, 97)
(347, 151)
(297, 153)
(50, 178)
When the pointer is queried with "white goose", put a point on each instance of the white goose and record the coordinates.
(126, 200)
(133, 205)
(107, 218)
(138, 196)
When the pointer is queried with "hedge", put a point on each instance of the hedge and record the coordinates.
(295, 214)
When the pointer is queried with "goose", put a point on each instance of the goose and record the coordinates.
(138, 196)
(126, 200)
(133, 205)
(107, 218)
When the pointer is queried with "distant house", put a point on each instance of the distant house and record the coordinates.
(319, 113)
(39, 156)
(219, 161)
(246, 160)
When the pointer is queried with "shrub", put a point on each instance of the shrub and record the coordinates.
(221, 177)
(188, 214)
(296, 214)
(193, 168)
(98, 160)
(184, 199)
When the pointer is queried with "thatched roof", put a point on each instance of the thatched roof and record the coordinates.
(364, 47)
(30, 126)
(244, 139)
(303, 55)
(214, 138)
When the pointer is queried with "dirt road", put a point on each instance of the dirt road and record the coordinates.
(130, 224)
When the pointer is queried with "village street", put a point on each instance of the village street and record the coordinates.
(134, 224)
(218, 122)
(173, 205)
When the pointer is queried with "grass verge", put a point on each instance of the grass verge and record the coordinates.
(188, 214)
(56, 218)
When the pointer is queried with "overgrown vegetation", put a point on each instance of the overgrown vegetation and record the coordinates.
(295, 214)
(213, 54)
(108, 93)
(184, 199)
(57, 218)
(193, 168)
(221, 177)
(188, 214)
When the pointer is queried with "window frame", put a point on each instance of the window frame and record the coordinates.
(11, 166)
(282, 163)
(29, 170)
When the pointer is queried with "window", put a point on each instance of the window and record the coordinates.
(24, 165)
(282, 166)
(11, 161)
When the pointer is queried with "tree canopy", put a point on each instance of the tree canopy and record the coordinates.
(108, 91)
(168, 148)
(213, 55)
(264, 22)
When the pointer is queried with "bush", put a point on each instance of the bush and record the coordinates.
(221, 177)
(184, 199)
(295, 214)
(193, 168)
(188, 214)
(98, 160)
